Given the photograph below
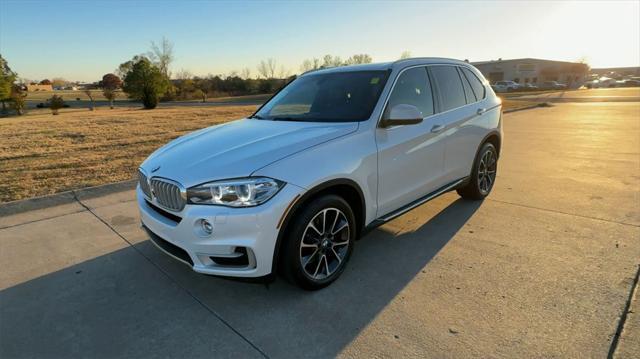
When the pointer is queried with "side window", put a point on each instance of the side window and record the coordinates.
(476, 84)
(449, 86)
(468, 92)
(413, 88)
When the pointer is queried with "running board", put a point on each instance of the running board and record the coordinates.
(406, 208)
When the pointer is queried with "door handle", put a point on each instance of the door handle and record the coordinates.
(481, 111)
(437, 128)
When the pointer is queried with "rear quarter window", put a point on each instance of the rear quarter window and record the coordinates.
(468, 92)
(476, 84)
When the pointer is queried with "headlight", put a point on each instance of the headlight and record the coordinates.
(243, 192)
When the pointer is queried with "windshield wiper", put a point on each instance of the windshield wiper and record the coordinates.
(257, 117)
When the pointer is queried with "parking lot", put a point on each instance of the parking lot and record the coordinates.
(545, 267)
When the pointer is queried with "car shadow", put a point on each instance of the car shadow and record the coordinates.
(120, 304)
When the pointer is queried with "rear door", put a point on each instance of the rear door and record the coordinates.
(462, 116)
(411, 157)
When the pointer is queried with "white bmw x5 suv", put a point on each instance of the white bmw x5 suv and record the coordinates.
(333, 154)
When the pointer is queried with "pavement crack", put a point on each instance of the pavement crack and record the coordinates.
(41, 219)
(60, 215)
(166, 274)
(565, 213)
(623, 317)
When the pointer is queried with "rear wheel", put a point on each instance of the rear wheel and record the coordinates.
(483, 175)
(319, 243)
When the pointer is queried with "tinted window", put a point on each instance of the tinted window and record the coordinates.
(413, 88)
(329, 97)
(449, 86)
(468, 92)
(476, 84)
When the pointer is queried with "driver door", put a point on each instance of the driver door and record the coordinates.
(410, 157)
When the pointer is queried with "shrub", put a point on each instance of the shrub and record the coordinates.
(55, 103)
(150, 100)
(18, 102)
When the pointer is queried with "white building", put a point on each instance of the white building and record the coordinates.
(534, 71)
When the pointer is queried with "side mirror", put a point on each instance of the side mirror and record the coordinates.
(401, 114)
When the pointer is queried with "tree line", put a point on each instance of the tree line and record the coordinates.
(148, 78)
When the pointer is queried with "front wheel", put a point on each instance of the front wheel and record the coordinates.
(483, 175)
(319, 242)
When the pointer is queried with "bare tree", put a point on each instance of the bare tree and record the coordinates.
(267, 69)
(162, 55)
(359, 59)
(405, 54)
(331, 61)
(283, 73)
(310, 64)
(90, 95)
(245, 73)
(183, 75)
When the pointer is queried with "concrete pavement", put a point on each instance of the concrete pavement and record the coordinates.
(543, 268)
(622, 94)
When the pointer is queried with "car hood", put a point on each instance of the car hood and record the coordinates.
(237, 149)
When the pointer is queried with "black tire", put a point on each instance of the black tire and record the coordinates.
(482, 177)
(302, 230)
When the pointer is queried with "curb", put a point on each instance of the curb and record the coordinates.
(56, 199)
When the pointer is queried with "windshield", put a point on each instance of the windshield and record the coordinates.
(332, 97)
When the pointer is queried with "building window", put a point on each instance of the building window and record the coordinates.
(535, 80)
(526, 80)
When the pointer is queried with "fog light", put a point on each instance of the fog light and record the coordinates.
(207, 227)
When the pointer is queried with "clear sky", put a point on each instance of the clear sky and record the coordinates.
(82, 40)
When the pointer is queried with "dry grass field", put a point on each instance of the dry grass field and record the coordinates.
(42, 154)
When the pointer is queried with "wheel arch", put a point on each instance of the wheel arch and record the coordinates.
(494, 138)
(346, 188)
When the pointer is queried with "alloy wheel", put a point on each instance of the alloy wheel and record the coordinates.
(487, 171)
(324, 244)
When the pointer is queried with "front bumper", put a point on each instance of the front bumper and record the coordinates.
(249, 232)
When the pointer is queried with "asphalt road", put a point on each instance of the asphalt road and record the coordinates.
(544, 267)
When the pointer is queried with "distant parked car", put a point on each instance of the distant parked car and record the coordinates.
(631, 83)
(592, 84)
(605, 82)
(553, 85)
(529, 87)
(505, 86)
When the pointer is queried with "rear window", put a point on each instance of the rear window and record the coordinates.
(449, 86)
